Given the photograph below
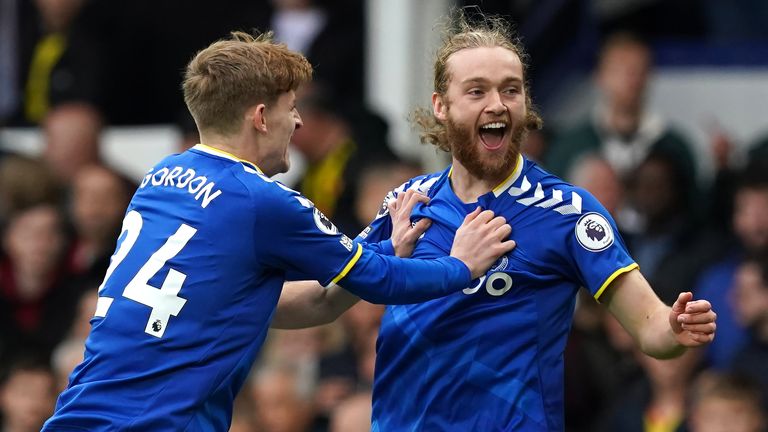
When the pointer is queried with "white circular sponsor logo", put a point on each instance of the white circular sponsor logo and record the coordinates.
(594, 232)
(324, 223)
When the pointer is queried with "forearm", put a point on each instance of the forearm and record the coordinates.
(640, 311)
(390, 280)
(308, 304)
(656, 338)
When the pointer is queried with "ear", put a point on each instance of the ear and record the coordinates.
(257, 118)
(439, 107)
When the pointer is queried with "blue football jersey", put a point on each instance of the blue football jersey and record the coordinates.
(206, 244)
(490, 358)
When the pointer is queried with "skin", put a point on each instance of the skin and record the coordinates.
(486, 86)
(264, 135)
(622, 77)
(307, 303)
(750, 217)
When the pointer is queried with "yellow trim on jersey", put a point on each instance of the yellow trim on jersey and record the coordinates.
(512, 176)
(214, 150)
(507, 181)
(612, 277)
(349, 265)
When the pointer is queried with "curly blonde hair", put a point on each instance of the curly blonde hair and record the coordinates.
(460, 33)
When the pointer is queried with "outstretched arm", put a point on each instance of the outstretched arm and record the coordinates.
(307, 303)
(659, 330)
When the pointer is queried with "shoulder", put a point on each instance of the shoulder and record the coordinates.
(555, 206)
(426, 184)
(271, 196)
(538, 189)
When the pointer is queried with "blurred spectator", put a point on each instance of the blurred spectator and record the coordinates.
(376, 180)
(243, 416)
(658, 228)
(84, 311)
(99, 196)
(657, 402)
(750, 302)
(349, 366)
(365, 350)
(723, 183)
(69, 352)
(726, 179)
(353, 414)
(27, 395)
(750, 226)
(758, 151)
(622, 129)
(320, 359)
(37, 302)
(10, 20)
(599, 362)
(337, 145)
(536, 145)
(65, 357)
(594, 174)
(331, 35)
(25, 182)
(337, 380)
(725, 403)
(58, 62)
(72, 135)
(283, 400)
(360, 320)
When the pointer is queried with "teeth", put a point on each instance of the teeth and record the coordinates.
(496, 125)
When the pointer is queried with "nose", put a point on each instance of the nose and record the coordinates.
(496, 104)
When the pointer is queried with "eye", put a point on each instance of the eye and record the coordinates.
(475, 92)
(512, 90)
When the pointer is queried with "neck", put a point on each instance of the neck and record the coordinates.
(236, 145)
(469, 187)
(624, 120)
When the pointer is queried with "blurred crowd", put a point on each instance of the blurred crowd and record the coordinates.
(78, 66)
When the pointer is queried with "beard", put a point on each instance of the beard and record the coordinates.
(484, 166)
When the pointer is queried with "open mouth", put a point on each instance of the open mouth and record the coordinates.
(492, 135)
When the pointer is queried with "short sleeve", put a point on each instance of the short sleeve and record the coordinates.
(595, 251)
(294, 236)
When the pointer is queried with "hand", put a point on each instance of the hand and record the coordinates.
(404, 235)
(692, 321)
(478, 242)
